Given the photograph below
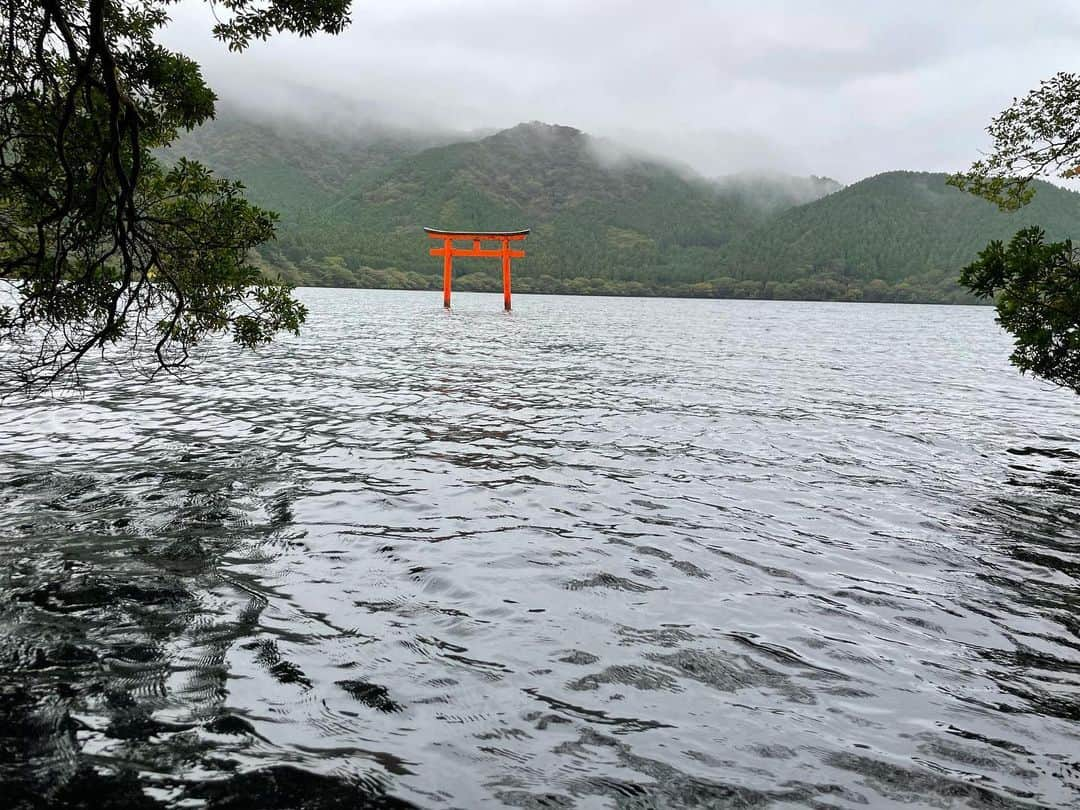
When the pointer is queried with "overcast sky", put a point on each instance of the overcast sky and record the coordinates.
(845, 88)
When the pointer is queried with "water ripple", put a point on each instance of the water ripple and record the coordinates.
(597, 552)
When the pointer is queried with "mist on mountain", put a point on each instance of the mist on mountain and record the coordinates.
(606, 217)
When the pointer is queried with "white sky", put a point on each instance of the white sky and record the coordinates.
(845, 88)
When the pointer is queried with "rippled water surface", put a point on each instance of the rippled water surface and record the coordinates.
(594, 553)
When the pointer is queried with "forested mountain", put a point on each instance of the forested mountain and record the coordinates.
(898, 234)
(593, 216)
(298, 169)
(353, 205)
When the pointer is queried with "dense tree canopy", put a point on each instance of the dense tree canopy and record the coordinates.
(108, 251)
(1038, 289)
(1036, 284)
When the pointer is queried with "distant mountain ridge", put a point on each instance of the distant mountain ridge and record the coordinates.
(603, 220)
(628, 219)
(295, 168)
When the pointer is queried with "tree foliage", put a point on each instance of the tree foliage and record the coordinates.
(1037, 286)
(1037, 136)
(107, 250)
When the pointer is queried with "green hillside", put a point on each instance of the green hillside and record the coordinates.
(295, 169)
(353, 206)
(631, 221)
(353, 209)
(901, 235)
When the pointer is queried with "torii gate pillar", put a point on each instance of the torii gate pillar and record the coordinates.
(504, 252)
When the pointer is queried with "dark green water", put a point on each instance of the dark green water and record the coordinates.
(596, 553)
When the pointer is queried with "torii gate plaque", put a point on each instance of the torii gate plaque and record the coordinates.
(448, 252)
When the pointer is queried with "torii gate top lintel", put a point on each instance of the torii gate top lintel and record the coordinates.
(436, 233)
(504, 252)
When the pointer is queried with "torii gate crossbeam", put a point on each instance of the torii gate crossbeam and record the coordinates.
(504, 252)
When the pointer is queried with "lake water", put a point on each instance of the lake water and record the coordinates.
(594, 553)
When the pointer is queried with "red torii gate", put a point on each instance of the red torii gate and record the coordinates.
(448, 252)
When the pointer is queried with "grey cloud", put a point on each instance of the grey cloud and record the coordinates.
(839, 87)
